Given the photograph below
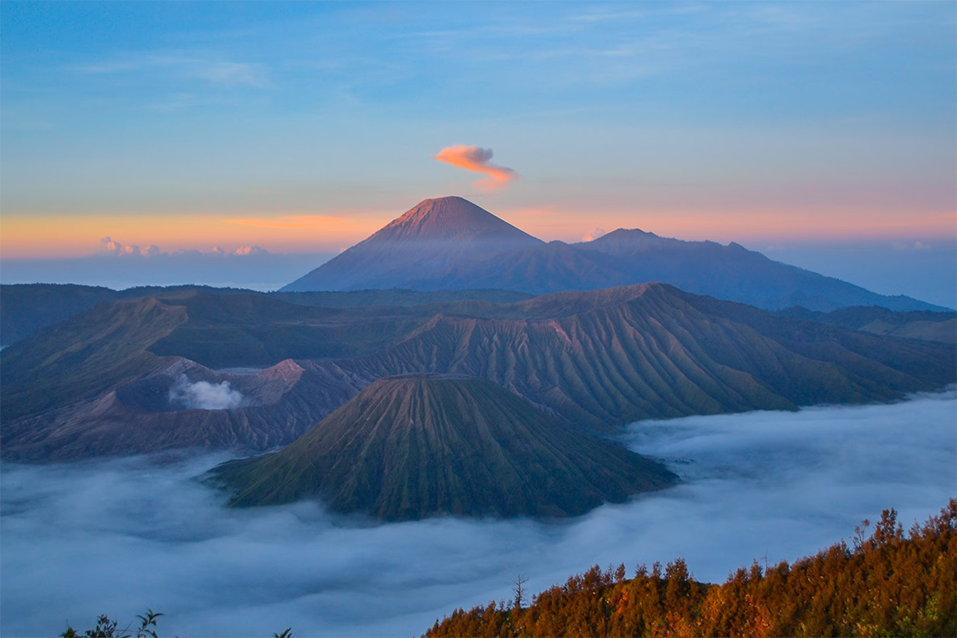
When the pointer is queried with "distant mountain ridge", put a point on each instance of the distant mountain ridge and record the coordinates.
(922, 325)
(100, 383)
(451, 244)
(28, 307)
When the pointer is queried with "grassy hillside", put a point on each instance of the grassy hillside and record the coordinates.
(417, 446)
(83, 357)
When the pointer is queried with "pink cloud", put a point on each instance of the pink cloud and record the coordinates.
(476, 158)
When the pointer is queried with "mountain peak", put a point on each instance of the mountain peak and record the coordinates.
(415, 446)
(419, 245)
(445, 218)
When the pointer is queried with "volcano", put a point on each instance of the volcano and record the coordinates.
(451, 244)
(415, 446)
(425, 242)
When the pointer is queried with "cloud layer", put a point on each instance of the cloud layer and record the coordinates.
(111, 248)
(120, 536)
(476, 158)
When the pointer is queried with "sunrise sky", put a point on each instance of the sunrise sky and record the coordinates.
(304, 127)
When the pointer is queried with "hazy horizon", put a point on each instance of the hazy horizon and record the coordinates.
(924, 271)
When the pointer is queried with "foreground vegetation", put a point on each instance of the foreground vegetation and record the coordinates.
(107, 628)
(887, 584)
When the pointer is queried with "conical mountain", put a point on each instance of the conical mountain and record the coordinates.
(451, 244)
(415, 446)
(420, 245)
(451, 218)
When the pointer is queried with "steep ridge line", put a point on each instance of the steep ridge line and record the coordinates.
(414, 446)
(598, 359)
(605, 358)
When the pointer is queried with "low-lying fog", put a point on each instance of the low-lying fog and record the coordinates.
(117, 537)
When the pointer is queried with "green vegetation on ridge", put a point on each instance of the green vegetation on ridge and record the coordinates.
(417, 446)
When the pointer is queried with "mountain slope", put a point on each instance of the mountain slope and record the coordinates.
(100, 383)
(925, 326)
(273, 408)
(451, 244)
(734, 273)
(85, 356)
(421, 243)
(417, 446)
(28, 307)
(608, 357)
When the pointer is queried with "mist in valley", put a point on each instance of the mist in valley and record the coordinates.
(119, 536)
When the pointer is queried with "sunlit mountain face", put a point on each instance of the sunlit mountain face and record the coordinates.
(351, 318)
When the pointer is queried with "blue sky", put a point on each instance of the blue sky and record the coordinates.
(757, 122)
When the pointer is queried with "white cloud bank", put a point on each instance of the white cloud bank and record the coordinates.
(111, 248)
(117, 537)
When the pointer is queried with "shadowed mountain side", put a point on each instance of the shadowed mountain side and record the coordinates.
(925, 326)
(277, 406)
(91, 386)
(25, 308)
(451, 244)
(412, 447)
(28, 307)
(397, 297)
(552, 267)
(423, 242)
(627, 257)
(613, 356)
(239, 330)
(735, 273)
(85, 356)
(599, 359)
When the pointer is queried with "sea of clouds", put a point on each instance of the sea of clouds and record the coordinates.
(119, 536)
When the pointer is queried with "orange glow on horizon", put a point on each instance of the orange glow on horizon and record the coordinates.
(61, 236)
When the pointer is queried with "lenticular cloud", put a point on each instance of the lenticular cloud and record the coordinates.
(476, 158)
